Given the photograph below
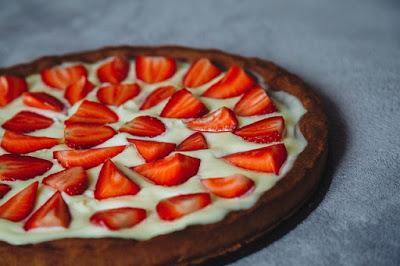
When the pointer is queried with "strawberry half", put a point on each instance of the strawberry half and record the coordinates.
(194, 142)
(200, 72)
(117, 94)
(118, 218)
(53, 213)
(254, 102)
(62, 77)
(19, 143)
(4, 190)
(144, 126)
(264, 131)
(20, 205)
(183, 104)
(19, 167)
(157, 96)
(113, 71)
(235, 82)
(93, 113)
(73, 181)
(25, 121)
(170, 171)
(221, 120)
(152, 150)
(268, 159)
(78, 90)
(153, 69)
(230, 186)
(43, 101)
(86, 158)
(113, 183)
(83, 136)
(10, 88)
(173, 208)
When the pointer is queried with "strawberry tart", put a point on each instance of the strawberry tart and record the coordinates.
(151, 155)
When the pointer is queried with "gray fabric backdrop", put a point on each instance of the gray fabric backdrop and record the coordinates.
(348, 50)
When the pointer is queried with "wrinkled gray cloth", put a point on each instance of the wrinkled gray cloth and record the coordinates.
(348, 50)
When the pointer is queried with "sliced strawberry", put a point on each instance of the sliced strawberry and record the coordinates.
(43, 101)
(4, 190)
(153, 69)
(183, 104)
(19, 143)
(86, 158)
(221, 120)
(114, 71)
(19, 206)
(53, 213)
(93, 113)
(113, 183)
(235, 82)
(264, 131)
(119, 218)
(83, 136)
(152, 150)
(18, 167)
(144, 126)
(10, 88)
(173, 208)
(268, 159)
(200, 72)
(157, 96)
(194, 142)
(73, 181)
(78, 90)
(62, 77)
(230, 186)
(26, 121)
(118, 94)
(170, 171)
(254, 102)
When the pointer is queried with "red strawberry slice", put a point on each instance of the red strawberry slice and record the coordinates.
(113, 71)
(194, 142)
(113, 183)
(230, 186)
(93, 113)
(53, 213)
(19, 143)
(86, 158)
(268, 159)
(43, 101)
(10, 88)
(183, 104)
(152, 150)
(170, 171)
(144, 126)
(200, 72)
(153, 69)
(73, 181)
(78, 90)
(157, 96)
(173, 208)
(19, 206)
(264, 131)
(83, 136)
(62, 77)
(25, 121)
(254, 102)
(221, 120)
(4, 190)
(118, 94)
(19, 167)
(118, 218)
(235, 82)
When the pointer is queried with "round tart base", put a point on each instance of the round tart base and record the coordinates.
(198, 243)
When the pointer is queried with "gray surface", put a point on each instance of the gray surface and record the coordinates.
(349, 50)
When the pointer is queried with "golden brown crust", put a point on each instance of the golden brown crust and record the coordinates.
(198, 243)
